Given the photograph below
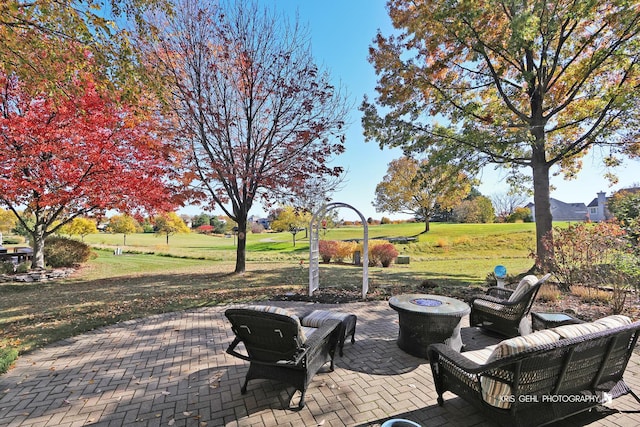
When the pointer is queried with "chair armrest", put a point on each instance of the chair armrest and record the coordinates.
(232, 350)
(443, 351)
(494, 300)
(502, 293)
(324, 332)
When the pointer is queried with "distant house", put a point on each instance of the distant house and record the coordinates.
(264, 222)
(561, 211)
(598, 210)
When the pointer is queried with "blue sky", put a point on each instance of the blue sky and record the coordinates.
(341, 32)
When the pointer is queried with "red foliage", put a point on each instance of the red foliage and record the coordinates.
(385, 253)
(78, 154)
(205, 229)
(328, 249)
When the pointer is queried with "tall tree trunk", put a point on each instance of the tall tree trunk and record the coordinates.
(426, 225)
(241, 259)
(543, 217)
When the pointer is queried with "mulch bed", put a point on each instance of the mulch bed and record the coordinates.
(570, 304)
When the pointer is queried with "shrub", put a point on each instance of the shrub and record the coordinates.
(328, 249)
(257, 228)
(370, 245)
(385, 220)
(385, 253)
(62, 252)
(585, 254)
(23, 267)
(520, 215)
(6, 267)
(205, 229)
(344, 250)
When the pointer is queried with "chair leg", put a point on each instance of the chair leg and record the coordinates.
(243, 390)
(301, 403)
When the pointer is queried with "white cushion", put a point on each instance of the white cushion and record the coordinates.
(479, 356)
(518, 344)
(580, 329)
(614, 321)
(523, 287)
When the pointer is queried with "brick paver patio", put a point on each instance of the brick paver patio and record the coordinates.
(172, 369)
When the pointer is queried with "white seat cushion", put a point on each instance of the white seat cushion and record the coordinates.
(523, 287)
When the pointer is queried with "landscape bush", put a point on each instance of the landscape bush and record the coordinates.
(383, 253)
(584, 253)
(6, 267)
(520, 214)
(328, 249)
(344, 250)
(63, 252)
(205, 229)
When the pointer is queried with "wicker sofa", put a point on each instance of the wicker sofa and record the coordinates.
(279, 348)
(542, 377)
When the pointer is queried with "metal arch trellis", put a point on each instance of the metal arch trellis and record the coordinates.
(314, 252)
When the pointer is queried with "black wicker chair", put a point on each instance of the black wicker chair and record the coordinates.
(277, 347)
(496, 312)
(545, 383)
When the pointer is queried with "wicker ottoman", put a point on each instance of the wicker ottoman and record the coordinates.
(316, 317)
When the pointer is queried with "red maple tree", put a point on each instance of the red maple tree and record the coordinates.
(81, 153)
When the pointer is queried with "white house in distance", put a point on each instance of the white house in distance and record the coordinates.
(594, 211)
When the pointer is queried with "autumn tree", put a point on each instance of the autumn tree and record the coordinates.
(169, 223)
(79, 226)
(292, 220)
(418, 187)
(8, 221)
(70, 32)
(260, 116)
(532, 85)
(123, 224)
(62, 157)
(475, 210)
(625, 206)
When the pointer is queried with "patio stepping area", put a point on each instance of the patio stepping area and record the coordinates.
(172, 370)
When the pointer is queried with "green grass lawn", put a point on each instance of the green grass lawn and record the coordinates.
(195, 270)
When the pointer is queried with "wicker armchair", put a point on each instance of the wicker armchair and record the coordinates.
(278, 348)
(501, 310)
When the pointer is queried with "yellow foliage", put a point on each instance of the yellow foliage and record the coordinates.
(345, 250)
